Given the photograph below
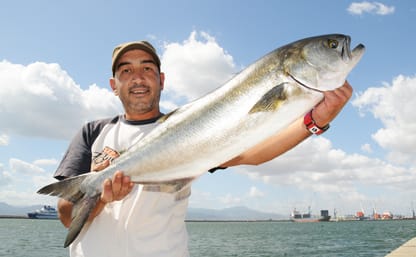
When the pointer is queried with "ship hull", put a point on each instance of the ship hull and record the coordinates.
(46, 212)
(42, 216)
(306, 220)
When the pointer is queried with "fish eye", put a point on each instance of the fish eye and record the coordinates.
(332, 43)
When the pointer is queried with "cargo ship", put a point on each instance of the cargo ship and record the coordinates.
(297, 216)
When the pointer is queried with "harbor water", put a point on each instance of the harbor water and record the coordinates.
(40, 238)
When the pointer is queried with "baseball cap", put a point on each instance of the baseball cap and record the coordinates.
(141, 45)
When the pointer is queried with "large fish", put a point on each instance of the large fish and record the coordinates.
(257, 103)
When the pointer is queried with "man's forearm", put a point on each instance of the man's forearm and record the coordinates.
(273, 146)
(65, 211)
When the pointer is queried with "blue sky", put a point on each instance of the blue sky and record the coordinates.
(55, 64)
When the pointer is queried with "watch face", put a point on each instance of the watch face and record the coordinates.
(314, 129)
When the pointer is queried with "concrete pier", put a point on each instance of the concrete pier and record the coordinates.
(408, 249)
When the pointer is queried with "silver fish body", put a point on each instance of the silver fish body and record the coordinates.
(257, 103)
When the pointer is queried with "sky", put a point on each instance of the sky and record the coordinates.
(55, 64)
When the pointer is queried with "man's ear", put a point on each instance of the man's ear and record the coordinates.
(162, 81)
(113, 86)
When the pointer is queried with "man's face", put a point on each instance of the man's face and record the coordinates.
(138, 83)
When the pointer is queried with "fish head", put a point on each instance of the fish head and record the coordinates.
(322, 63)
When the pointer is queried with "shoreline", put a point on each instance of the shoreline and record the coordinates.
(13, 217)
(228, 220)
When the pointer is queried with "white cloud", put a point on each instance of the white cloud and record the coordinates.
(4, 139)
(25, 198)
(370, 7)
(167, 105)
(324, 177)
(202, 199)
(21, 167)
(196, 66)
(393, 104)
(230, 200)
(255, 192)
(20, 181)
(5, 177)
(314, 166)
(100, 102)
(366, 148)
(45, 162)
(41, 99)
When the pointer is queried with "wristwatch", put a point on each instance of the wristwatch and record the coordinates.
(311, 124)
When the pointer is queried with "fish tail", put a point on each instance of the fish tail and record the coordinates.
(69, 189)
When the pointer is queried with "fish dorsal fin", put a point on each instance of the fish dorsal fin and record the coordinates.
(165, 117)
(270, 101)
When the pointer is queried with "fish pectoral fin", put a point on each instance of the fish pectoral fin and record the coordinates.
(270, 101)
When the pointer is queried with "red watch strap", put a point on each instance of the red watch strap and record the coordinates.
(311, 125)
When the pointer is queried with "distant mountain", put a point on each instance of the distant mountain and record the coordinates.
(234, 213)
(6, 209)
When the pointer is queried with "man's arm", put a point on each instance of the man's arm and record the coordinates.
(323, 114)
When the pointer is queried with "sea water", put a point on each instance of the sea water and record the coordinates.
(41, 238)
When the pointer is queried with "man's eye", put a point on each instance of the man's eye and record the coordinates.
(126, 70)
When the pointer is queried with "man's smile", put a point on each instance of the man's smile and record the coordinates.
(139, 90)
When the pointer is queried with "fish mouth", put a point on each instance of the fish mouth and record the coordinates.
(346, 50)
(349, 55)
(357, 52)
(353, 55)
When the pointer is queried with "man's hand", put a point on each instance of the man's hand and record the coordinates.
(113, 190)
(116, 188)
(332, 104)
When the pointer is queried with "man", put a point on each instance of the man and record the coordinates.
(138, 220)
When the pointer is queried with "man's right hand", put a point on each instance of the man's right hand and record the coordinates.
(116, 188)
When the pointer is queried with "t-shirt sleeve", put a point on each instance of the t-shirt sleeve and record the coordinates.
(77, 159)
